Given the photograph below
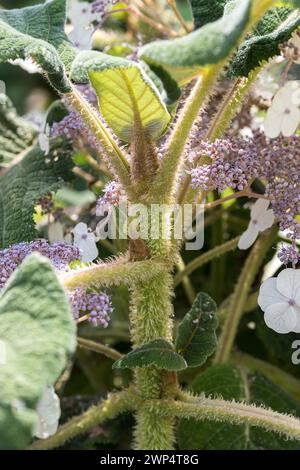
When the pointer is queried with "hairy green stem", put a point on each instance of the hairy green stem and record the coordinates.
(151, 313)
(119, 271)
(98, 348)
(287, 381)
(114, 404)
(205, 258)
(166, 181)
(240, 295)
(226, 411)
(116, 159)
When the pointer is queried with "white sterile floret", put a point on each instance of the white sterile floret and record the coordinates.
(86, 242)
(283, 116)
(48, 410)
(261, 218)
(81, 17)
(279, 298)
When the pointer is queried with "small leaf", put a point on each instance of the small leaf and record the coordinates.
(210, 44)
(196, 337)
(37, 33)
(157, 353)
(38, 333)
(128, 99)
(226, 381)
(24, 184)
(272, 30)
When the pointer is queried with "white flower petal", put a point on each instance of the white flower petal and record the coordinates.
(89, 250)
(288, 284)
(266, 220)
(259, 208)
(269, 295)
(248, 237)
(48, 410)
(272, 123)
(80, 229)
(282, 98)
(290, 122)
(281, 318)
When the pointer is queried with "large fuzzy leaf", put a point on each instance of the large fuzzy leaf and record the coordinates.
(128, 99)
(226, 381)
(196, 336)
(157, 353)
(37, 33)
(16, 134)
(24, 184)
(273, 29)
(209, 44)
(38, 334)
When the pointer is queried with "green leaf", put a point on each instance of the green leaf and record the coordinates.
(228, 382)
(196, 336)
(24, 184)
(16, 134)
(37, 33)
(208, 45)
(207, 11)
(272, 30)
(157, 353)
(128, 99)
(38, 334)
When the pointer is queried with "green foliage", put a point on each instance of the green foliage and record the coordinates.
(24, 184)
(207, 11)
(196, 337)
(273, 29)
(128, 99)
(228, 382)
(38, 333)
(22, 36)
(16, 134)
(158, 352)
(208, 45)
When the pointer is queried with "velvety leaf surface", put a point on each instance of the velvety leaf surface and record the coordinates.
(207, 45)
(37, 33)
(273, 29)
(36, 343)
(207, 11)
(16, 134)
(196, 337)
(24, 184)
(157, 353)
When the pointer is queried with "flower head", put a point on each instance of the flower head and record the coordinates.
(279, 298)
(261, 219)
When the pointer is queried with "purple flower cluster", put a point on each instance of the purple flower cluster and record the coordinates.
(236, 162)
(97, 307)
(101, 6)
(61, 254)
(289, 254)
(112, 193)
(73, 126)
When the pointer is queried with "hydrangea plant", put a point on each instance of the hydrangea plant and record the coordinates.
(165, 106)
